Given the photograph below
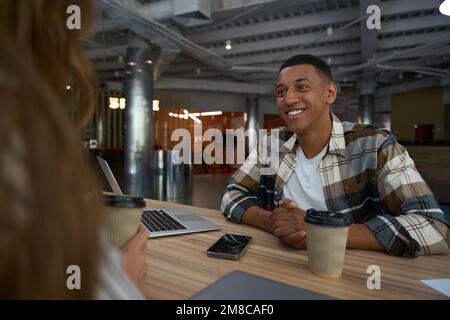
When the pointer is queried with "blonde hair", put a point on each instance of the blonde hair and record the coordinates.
(50, 209)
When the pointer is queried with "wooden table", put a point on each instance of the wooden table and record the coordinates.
(178, 266)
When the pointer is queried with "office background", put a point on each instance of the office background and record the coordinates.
(222, 56)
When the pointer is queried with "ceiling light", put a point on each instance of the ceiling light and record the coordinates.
(330, 31)
(68, 87)
(155, 105)
(195, 118)
(228, 45)
(211, 113)
(170, 114)
(444, 8)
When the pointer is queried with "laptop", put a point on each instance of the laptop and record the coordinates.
(166, 221)
(238, 285)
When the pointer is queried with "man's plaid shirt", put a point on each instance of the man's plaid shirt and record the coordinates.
(365, 174)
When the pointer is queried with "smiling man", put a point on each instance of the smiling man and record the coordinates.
(327, 164)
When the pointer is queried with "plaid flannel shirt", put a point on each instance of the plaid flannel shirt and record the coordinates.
(365, 174)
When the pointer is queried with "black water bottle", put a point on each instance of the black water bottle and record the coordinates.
(263, 191)
(270, 192)
(266, 192)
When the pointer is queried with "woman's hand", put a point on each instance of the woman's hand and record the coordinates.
(134, 255)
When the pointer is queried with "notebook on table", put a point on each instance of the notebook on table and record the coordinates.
(238, 285)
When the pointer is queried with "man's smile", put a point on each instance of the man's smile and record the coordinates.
(294, 113)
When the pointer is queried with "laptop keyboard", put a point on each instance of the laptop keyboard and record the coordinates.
(158, 220)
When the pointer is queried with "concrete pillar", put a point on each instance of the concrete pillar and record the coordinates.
(138, 121)
(366, 103)
(252, 124)
(366, 108)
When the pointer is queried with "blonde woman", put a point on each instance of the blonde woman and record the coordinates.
(46, 224)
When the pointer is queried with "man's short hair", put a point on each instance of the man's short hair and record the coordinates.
(315, 61)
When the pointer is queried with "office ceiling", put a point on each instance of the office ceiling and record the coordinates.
(413, 42)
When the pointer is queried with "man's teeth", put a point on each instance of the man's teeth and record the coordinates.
(295, 112)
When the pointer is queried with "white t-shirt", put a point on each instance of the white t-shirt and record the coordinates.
(304, 186)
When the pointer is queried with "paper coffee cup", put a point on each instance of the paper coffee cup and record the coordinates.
(326, 235)
(123, 217)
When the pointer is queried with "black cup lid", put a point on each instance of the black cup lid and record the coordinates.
(328, 219)
(124, 201)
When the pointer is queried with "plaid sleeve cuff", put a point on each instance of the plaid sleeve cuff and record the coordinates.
(234, 205)
(393, 236)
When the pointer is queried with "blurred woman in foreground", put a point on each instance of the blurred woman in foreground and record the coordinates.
(46, 221)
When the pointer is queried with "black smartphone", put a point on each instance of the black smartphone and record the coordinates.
(229, 246)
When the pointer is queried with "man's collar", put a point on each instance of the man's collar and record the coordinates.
(335, 146)
(337, 140)
(290, 142)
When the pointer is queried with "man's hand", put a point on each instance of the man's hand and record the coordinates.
(133, 256)
(287, 223)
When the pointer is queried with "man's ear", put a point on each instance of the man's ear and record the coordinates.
(331, 92)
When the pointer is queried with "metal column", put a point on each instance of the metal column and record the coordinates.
(252, 121)
(138, 122)
(367, 88)
(367, 108)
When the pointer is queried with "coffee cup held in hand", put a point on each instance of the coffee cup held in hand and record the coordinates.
(123, 217)
(326, 234)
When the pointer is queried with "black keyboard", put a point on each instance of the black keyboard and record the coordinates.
(158, 220)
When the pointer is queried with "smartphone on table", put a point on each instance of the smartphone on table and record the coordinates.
(229, 246)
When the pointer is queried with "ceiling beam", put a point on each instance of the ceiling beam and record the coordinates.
(280, 56)
(412, 24)
(107, 52)
(322, 18)
(331, 50)
(205, 85)
(181, 66)
(345, 59)
(406, 6)
(108, 25)
(409, 86)
(294, 23)
(288, 41)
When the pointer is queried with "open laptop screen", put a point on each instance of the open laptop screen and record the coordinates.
(107, 173)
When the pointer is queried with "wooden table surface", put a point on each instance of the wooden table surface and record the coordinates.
(177, 266)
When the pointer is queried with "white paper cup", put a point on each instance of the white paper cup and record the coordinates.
(123, 218)
(326, 235)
